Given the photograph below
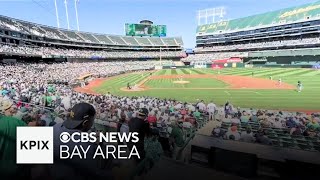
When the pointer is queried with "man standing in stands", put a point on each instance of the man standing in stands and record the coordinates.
(140, 125)
(81, 119)
(8, 124)
(211, 108)
(177, 140)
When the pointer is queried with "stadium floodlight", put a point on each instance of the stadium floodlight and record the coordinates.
(76, 9)
(67, 15)
(209, 15)
(57, 14)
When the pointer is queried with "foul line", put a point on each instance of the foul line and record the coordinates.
(227, 93)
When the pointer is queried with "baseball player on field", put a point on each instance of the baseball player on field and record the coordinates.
(279, 82)
(299, 86)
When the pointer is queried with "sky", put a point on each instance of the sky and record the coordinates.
(109, 16)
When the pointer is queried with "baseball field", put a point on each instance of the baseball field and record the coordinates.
(244, 87)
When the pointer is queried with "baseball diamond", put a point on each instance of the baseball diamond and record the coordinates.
(235, 85)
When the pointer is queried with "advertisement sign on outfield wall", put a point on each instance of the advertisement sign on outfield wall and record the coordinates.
(228, 60)
(217, 66)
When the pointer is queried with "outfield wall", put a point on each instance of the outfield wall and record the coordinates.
(287, 61)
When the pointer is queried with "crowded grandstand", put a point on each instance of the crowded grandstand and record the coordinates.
(288, 32)
(43, 70)
(25, 38)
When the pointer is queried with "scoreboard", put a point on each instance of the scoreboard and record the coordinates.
(145, 30)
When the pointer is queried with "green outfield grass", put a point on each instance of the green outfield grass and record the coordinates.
(193, 83)
(308, 99)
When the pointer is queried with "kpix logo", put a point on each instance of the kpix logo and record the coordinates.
(34, 145)
(29, 145)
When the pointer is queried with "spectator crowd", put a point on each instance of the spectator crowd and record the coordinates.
(264, 44)
(62, 52)
(41, 95)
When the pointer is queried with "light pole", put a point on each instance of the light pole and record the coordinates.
(67, 15)
(76, 9)
(57, 14)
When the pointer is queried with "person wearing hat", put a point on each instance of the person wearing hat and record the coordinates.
(139, 124)
(177, 139)
(8, 108)
(81, 119)
(8, 126)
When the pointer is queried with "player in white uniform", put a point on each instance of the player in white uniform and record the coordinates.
(279, 81)
(299, 86)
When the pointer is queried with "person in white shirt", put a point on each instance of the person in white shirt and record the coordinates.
(277, 123)
(211, 108)
(247, 136)
(233, 132)
(201, 106)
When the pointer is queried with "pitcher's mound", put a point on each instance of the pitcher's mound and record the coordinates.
(181, 82)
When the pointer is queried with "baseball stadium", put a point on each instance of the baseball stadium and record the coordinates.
(243, 103)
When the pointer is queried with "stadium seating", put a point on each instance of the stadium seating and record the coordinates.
(89, 37)
(67, 35)
(279, 136)
(156, 41)
(51, 51)
(130, 40)
(274, 18)
(143, 41)
(117, 40)
(103, 39)
(266, 44)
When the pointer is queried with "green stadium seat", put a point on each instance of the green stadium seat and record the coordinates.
(304, 146)
(288, 144)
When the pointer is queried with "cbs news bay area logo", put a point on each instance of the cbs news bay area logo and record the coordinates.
(39, 145)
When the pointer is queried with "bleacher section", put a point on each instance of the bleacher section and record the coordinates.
(53, 33)
(103, 39)
(143, 41)
(280, 136)
(169, 41)
(291, 28)
(26, 30)
(130, 41)
(89, 37)
(156, 41)
(72, 35)
(289, 15)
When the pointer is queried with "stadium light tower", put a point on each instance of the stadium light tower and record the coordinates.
(57, 14)
(67, 15)
(211, 14)
(76, 9)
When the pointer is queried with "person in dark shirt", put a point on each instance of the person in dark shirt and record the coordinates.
(262, 138)
(140, 125)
